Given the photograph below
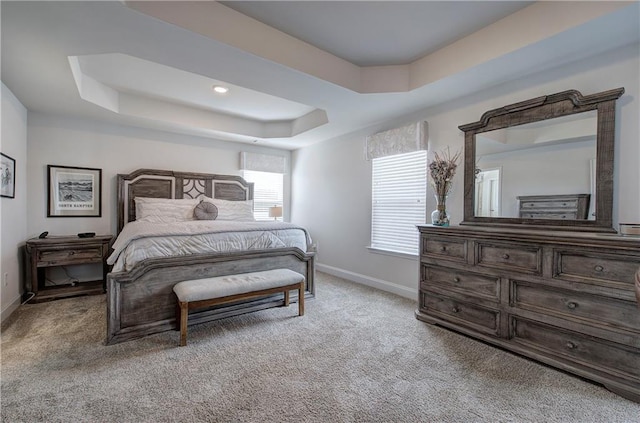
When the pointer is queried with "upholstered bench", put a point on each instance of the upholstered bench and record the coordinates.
(198, 293)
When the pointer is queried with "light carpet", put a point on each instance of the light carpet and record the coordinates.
(358, 355)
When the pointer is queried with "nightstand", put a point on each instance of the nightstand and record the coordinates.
(66, 251)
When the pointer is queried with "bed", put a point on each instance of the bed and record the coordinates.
(148, 259)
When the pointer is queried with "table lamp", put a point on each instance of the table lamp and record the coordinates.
(275, 212)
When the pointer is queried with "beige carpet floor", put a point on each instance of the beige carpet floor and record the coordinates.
(358, 355)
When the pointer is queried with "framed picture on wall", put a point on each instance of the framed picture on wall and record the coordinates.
(7, 176)
(74, 191)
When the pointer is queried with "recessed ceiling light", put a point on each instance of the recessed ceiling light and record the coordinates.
(220, 89)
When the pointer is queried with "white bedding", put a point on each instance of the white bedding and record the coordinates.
(142, 240)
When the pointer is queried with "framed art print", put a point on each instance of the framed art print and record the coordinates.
(74, 191)
(7, 176)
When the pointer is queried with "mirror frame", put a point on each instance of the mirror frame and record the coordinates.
(538, 109)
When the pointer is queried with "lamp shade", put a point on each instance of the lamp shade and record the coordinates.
(275, 211)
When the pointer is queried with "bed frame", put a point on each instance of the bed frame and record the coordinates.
(141, 301)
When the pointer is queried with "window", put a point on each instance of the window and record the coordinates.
(267, 192)
(399, 185)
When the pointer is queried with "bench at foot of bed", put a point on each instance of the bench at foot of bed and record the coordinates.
(198, 293)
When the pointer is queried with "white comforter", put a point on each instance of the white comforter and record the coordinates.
(142, 240)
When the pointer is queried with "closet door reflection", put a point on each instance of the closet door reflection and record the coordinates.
(488, 193)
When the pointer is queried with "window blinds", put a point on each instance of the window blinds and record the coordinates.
(399, 191)
(266, 171)
(267, 192)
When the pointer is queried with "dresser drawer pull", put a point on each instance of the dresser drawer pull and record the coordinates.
(443, 248)
(505, 256)
(455, 309)
(570, 345)
(71, 253)
(599, 268)
(572, 305)
(456, 279)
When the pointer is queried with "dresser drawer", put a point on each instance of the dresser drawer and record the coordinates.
(467, 283)
(452, 249)
(510, 257)
(596, 308)
(69, 256)
(479, 318)
(596, 268)
(573, 206)
(588, 351)
(549, 204)
(573, 215)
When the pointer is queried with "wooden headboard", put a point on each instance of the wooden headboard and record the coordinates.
(169, 184)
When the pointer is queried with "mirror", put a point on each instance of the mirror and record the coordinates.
(547, 161)
(549, 158)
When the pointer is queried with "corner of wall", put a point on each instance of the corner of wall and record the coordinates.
(383, 285)
(13, 218)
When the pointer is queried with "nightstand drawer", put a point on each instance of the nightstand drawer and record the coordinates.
(69, 256)
(510, 257)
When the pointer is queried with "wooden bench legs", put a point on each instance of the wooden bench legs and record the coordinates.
(184, 306)
(184, 317)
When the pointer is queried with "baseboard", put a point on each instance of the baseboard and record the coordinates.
(10, 309)
(383, 285)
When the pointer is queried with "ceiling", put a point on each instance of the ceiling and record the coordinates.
(298, 72)
(378, 33)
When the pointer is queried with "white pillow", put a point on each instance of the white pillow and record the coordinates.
(165, 210)
(241, 211)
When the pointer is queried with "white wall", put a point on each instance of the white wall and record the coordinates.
(115, 149)
(12, 216)
(331, 189)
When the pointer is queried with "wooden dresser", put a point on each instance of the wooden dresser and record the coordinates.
(564, 298)
(569, 207)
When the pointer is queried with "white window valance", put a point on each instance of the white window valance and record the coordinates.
(406, 139)
(263, 162)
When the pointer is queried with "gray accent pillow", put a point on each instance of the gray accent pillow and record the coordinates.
(205, 211)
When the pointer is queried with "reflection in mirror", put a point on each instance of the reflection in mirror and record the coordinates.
(488, 201)
(550, 162)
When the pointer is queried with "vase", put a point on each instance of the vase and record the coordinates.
(440, 217)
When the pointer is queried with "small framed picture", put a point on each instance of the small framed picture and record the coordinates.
(74, 191)
(7, 176)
